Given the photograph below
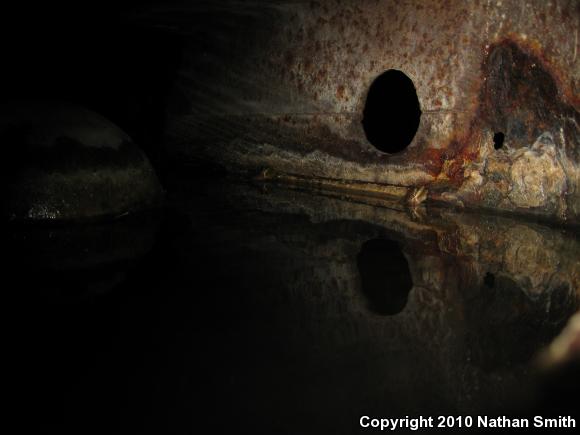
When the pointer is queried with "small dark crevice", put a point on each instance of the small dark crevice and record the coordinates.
(498, 139)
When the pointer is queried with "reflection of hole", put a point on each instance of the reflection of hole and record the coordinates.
(392, 113)
(385, 276)
(489, 280)
(498, 139)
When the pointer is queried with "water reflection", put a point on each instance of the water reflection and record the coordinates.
(488, 293)
(505, 327)
(65, 262)
(285, 310)
(384, 275)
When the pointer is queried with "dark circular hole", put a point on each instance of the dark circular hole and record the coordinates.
(498, 139)
(489, 280)
(385, 276)
(392, 112)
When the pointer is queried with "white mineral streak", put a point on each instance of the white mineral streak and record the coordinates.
(537, 174)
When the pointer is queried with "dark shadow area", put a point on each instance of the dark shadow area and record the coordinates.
(392, 112)
(93, 55)
(385, 277)
(87, 309)
(504, 318)
(167, 323)
(489, 280)
(558, 390)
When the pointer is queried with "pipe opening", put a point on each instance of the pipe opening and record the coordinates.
(392, 112)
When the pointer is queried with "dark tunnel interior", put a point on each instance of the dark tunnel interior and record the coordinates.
(94, 55)
(278, 217)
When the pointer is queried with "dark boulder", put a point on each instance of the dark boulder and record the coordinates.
(64, 162)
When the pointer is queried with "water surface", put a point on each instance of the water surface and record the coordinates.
(269, 309)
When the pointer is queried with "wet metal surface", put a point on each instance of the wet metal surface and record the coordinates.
(282, 85)
(271, 310)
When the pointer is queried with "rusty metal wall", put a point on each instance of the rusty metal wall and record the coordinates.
(282, 85)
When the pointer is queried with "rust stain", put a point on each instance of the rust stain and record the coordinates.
(519, 97)
(473, 84)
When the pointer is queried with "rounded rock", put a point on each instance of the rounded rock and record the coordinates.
(64, 162)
